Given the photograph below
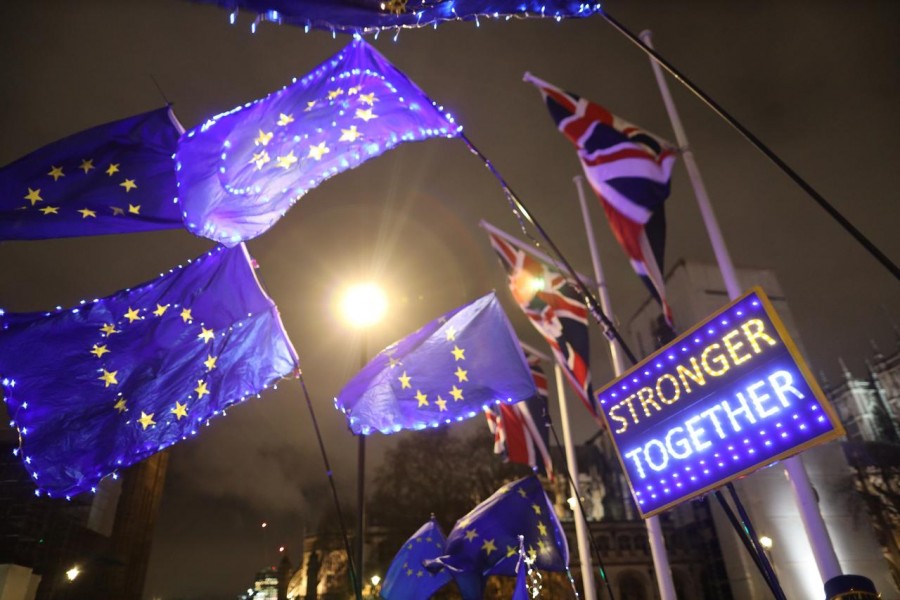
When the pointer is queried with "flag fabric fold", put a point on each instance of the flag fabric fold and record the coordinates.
(449, 370)
(108, 382)
(486, 540)
(113, 178)
(521, 590)
(366, 16)
(630, 171)
(554, 307)
(407, 577)
(521, 430)
(240, 171)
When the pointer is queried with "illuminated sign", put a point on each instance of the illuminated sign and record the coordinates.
(724, 399)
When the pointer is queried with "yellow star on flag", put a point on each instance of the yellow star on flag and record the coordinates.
(511, 551)
(471, 534)
(309, 106)
(536, 509)
(112, 169)
(522, 493)
(86, 212)
(263, 138)
(50, 210)
(422, 398)
(134, 209)
(451, 334)
(285, 162)
(284, 119)
(488, 546)
(146, 420)
(128, 184)
(365, 114)
(458, 353)
(542, 546)
(120, 405)
(86, 165)
(367, 98)
(542, 528)
(34, 196)
(109, 329)
(117, 211)
(335, 93)
(108, 378)
(56, 173)
(259, 159)
(160, 310)
(456, 393)
(201, 389)
(404, 381)
(186, 315)
(349, 135)
(210, 362)
(99, 350)
(206, 334)
(318, 151)
(133, 314)
(179, 411)
(354, 90)
(442, 404)
(393, 362)
(462, 374)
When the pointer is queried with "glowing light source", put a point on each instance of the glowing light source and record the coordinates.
(73, 573)
(364, 304)
(375, 580)
(766, 542)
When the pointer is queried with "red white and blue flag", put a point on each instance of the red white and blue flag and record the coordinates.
(556, 309)
(521, 430)
(630, 171)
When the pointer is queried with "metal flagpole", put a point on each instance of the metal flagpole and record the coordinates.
(584, 552)
(804, 494)
(654, 529)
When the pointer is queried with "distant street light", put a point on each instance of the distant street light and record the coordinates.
(375, 580)
(362, 305)
(72, 573)
(766, 542)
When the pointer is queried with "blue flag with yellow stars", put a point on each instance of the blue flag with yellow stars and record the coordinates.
(366, 16)
(449, 370)
(407, 577)
(486, 541)
(239, 172)
(108, 382)
(114, 178)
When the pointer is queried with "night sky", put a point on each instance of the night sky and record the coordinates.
(818, 82)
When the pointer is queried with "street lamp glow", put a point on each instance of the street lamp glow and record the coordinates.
(766, 542)
(375, 580)
(364, 304)
(72, 573)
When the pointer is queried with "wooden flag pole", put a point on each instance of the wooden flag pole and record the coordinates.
(804, 494)
(654, 528)
(818, 198)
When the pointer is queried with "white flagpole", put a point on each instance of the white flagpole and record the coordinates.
(581, 533)
(654, 529)
(804, 495)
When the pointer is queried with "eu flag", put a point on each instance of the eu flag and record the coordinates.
(114, 178)
(449, 370)
(406, 577)
(486, 541)
(240, 171)
(366, 16)
(108, 382)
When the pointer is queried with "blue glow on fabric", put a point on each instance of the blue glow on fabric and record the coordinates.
(449, 370)
(486, 541)
(107, 383)
(361, 16)
(727, 397)
(407, 577)
(239, 172)
(113, 178)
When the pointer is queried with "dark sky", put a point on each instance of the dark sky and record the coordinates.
(816, 81)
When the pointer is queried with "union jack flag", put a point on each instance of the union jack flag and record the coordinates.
(554, 307)
(630, 171)
(521, 430)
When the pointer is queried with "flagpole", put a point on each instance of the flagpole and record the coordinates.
(654, 529)
(804, 494)
(581, 534)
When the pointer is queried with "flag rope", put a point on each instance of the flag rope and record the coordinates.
(581, 506)
(716, 108)
(337, 504)
(521, 212)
